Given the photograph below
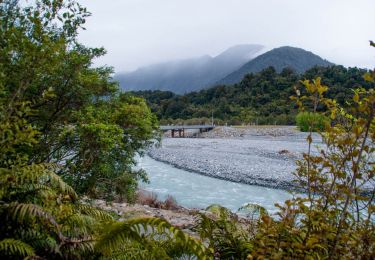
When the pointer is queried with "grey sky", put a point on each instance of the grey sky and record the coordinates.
(142, 32)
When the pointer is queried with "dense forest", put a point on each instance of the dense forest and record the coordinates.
(260, 98)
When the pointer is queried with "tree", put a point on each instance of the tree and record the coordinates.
(61, 119)
(86, 127)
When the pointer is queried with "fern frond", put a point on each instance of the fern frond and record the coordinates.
(253, 210)
(37, 174)
(225, 234)
(22, 212)
(26, 174)
(13, 247)
(79, 220)
(62, 186)
(117, 234)
(219, 211)
(34, 190)
(136, 230)
(206, 226)
(78, 249)
(78, 225)
(132, 250)
(38, 240)
(93, 212)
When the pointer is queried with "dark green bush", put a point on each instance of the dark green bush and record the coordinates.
(315, 121)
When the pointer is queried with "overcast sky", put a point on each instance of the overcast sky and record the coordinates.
(141, 32)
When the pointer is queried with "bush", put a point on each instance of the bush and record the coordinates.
(307, 121)
(170, 203)
(149, 198)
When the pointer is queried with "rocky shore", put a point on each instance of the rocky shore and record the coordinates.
(180, 217)
(262, 156)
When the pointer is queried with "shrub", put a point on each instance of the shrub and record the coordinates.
(309, 121)
(170, 203)
(151, 199)
(148, 198)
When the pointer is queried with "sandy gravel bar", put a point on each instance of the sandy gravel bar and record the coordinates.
(260, 156)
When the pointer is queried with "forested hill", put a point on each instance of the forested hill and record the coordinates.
(297, 59)
(229, 67)
(262, 98)
(183, 76)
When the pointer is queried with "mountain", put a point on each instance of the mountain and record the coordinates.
(188, 75)
(297, 59)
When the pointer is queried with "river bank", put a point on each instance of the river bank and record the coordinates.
(263, 156)
(181, 217)
(192, 190)
(186, 219)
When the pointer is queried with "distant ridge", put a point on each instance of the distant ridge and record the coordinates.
(183, 76)
(297, 59)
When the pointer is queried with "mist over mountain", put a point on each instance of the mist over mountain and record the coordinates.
(297, 59)
(188, 75)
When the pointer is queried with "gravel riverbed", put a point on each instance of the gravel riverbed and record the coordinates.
(253, 155)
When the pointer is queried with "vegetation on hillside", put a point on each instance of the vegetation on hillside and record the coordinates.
(66, 132)
(183, 76)
(227, 68)
(280, 58)
(260, 98)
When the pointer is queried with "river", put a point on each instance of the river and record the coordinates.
(193, 190)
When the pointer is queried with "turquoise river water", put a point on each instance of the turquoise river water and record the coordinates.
(197, 191)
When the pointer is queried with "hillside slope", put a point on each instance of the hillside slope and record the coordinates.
(297, 59)
(188, 75)
(261, 98)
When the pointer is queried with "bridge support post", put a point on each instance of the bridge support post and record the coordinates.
(181, 129)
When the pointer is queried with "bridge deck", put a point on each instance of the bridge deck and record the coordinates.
(183, 127)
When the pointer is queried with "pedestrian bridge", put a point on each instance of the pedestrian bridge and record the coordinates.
(181, 129)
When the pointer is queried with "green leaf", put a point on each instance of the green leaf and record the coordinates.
(13, 247)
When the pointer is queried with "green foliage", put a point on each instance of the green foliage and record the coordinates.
(41, 214)
(260, 98)
(227, 237)
(153, 235)
(316, 121)
(62, 120)
(12, 248)
(253, 211)
(335, 219)
(338, 181)
(105, 142)
(84, 125)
